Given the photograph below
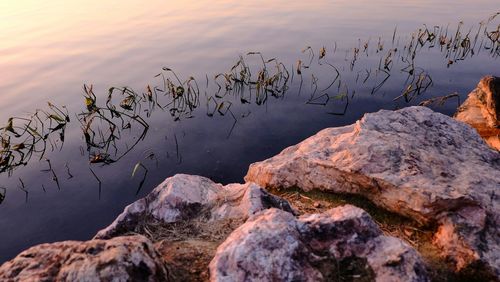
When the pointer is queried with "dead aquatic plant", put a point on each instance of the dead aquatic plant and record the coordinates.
(440, 100)
(23, 137)
(146, 170)
(322, 61)
(53, 173)
(322, 53)
(70, 175)
(3, 191)
(456, 45)
(249, 82)
(418, 85)
(149, 156)
(255, 83)
(354, 57)
(342, 96)
(103, 126)
(183, 97)
(23, 188)
(271, 79)
(98, 181)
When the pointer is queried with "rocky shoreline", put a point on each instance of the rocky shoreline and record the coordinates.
(437, 175)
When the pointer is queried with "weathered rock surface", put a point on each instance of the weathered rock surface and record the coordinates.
(470, 238)
(130, 258)
(184, 197)
(341, 244)
(414, 162)
(481, 110)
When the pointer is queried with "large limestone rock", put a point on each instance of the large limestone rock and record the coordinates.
(341, 244)
(186, 197)
(414, 162)
(119, 259)
(481, 110)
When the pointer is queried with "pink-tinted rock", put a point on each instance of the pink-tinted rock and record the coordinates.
(343, 243)
(470, 238)
(414, 162)
(130, 258)
(185, 197)
(481, 110)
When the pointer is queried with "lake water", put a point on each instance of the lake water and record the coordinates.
(48, 51)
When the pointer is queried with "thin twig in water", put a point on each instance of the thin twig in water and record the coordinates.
(98, 180)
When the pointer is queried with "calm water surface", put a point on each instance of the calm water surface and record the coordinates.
(50, 49)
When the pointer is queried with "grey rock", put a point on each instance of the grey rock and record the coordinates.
(341, 243)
